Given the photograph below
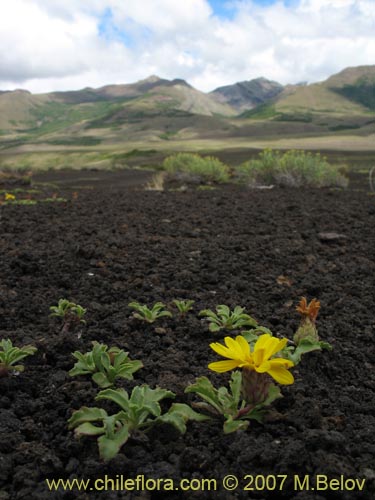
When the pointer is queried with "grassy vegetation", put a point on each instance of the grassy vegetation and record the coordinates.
(293, 168)
(194, 167)
(294, 117)
(268, 111)
(38, 162)
(362, 91)
(261, 112)
(337, 128)
(75, 141)
(167, 136)
(54, 116)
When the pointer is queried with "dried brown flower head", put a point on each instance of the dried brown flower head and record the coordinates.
(308, 310)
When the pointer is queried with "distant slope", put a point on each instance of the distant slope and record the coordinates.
(110, 92)
(356, 84)
(248, 94)
(45, 113)
(181, 96)
(16, 107)
(349, 92)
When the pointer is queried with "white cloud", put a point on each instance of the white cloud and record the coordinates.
(163, 15)
(56, 44)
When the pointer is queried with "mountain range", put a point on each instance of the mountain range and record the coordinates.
(161, 109)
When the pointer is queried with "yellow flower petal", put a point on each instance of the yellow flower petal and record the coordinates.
(235, 347)
(262, 341)
(222, 350)
(281, 343)
(281, 375)
(271, 347)
(282, 362)
(223, 366)
(259, 357)
(244, 344)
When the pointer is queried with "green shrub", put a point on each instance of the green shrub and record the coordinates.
(193, 166)
(293, 168)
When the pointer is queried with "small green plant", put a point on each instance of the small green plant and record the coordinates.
(229, 403)
(143, 313)
(105, 365)
(25, 202)
(183, 306)
(72, 314)
(226, 319)
(306, 338)
(9, 355)
(139, 412)
(54, 200)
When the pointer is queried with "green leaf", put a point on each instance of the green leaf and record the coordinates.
(250, 336)
(235, 386)
(105, 361)
(205, 312)
(163, 314)
(17, 368)
(127, 369)
(223, 310)
(206, 391)
(179, 414)
(118, 356)
(304, 346)
(213, 327)
(274, 392)
(83, 366)
(183, 306)
(118, 396)
(158, 306)
(97, 351)
(85, 414)
(325, 345)
(225, 399)
(88, 429)
(101, 380)
(255, 414)
(263, 329)
(245, 321)
(146, 398)
(307, 345)
(109, 447)
(231, 425)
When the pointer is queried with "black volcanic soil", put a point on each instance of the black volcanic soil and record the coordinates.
(106, 248)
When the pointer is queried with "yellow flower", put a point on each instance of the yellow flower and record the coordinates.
(9, 197)
(240, 356)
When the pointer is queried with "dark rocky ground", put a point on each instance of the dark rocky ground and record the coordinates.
(105, 248)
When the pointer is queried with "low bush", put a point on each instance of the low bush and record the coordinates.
(293, 168)
(193, 167)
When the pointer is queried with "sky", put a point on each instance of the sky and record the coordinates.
(48, 45)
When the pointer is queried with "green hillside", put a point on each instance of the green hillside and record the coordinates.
(349, 92)
(362, 92)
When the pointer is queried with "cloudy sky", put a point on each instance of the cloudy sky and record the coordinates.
(50, 45)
